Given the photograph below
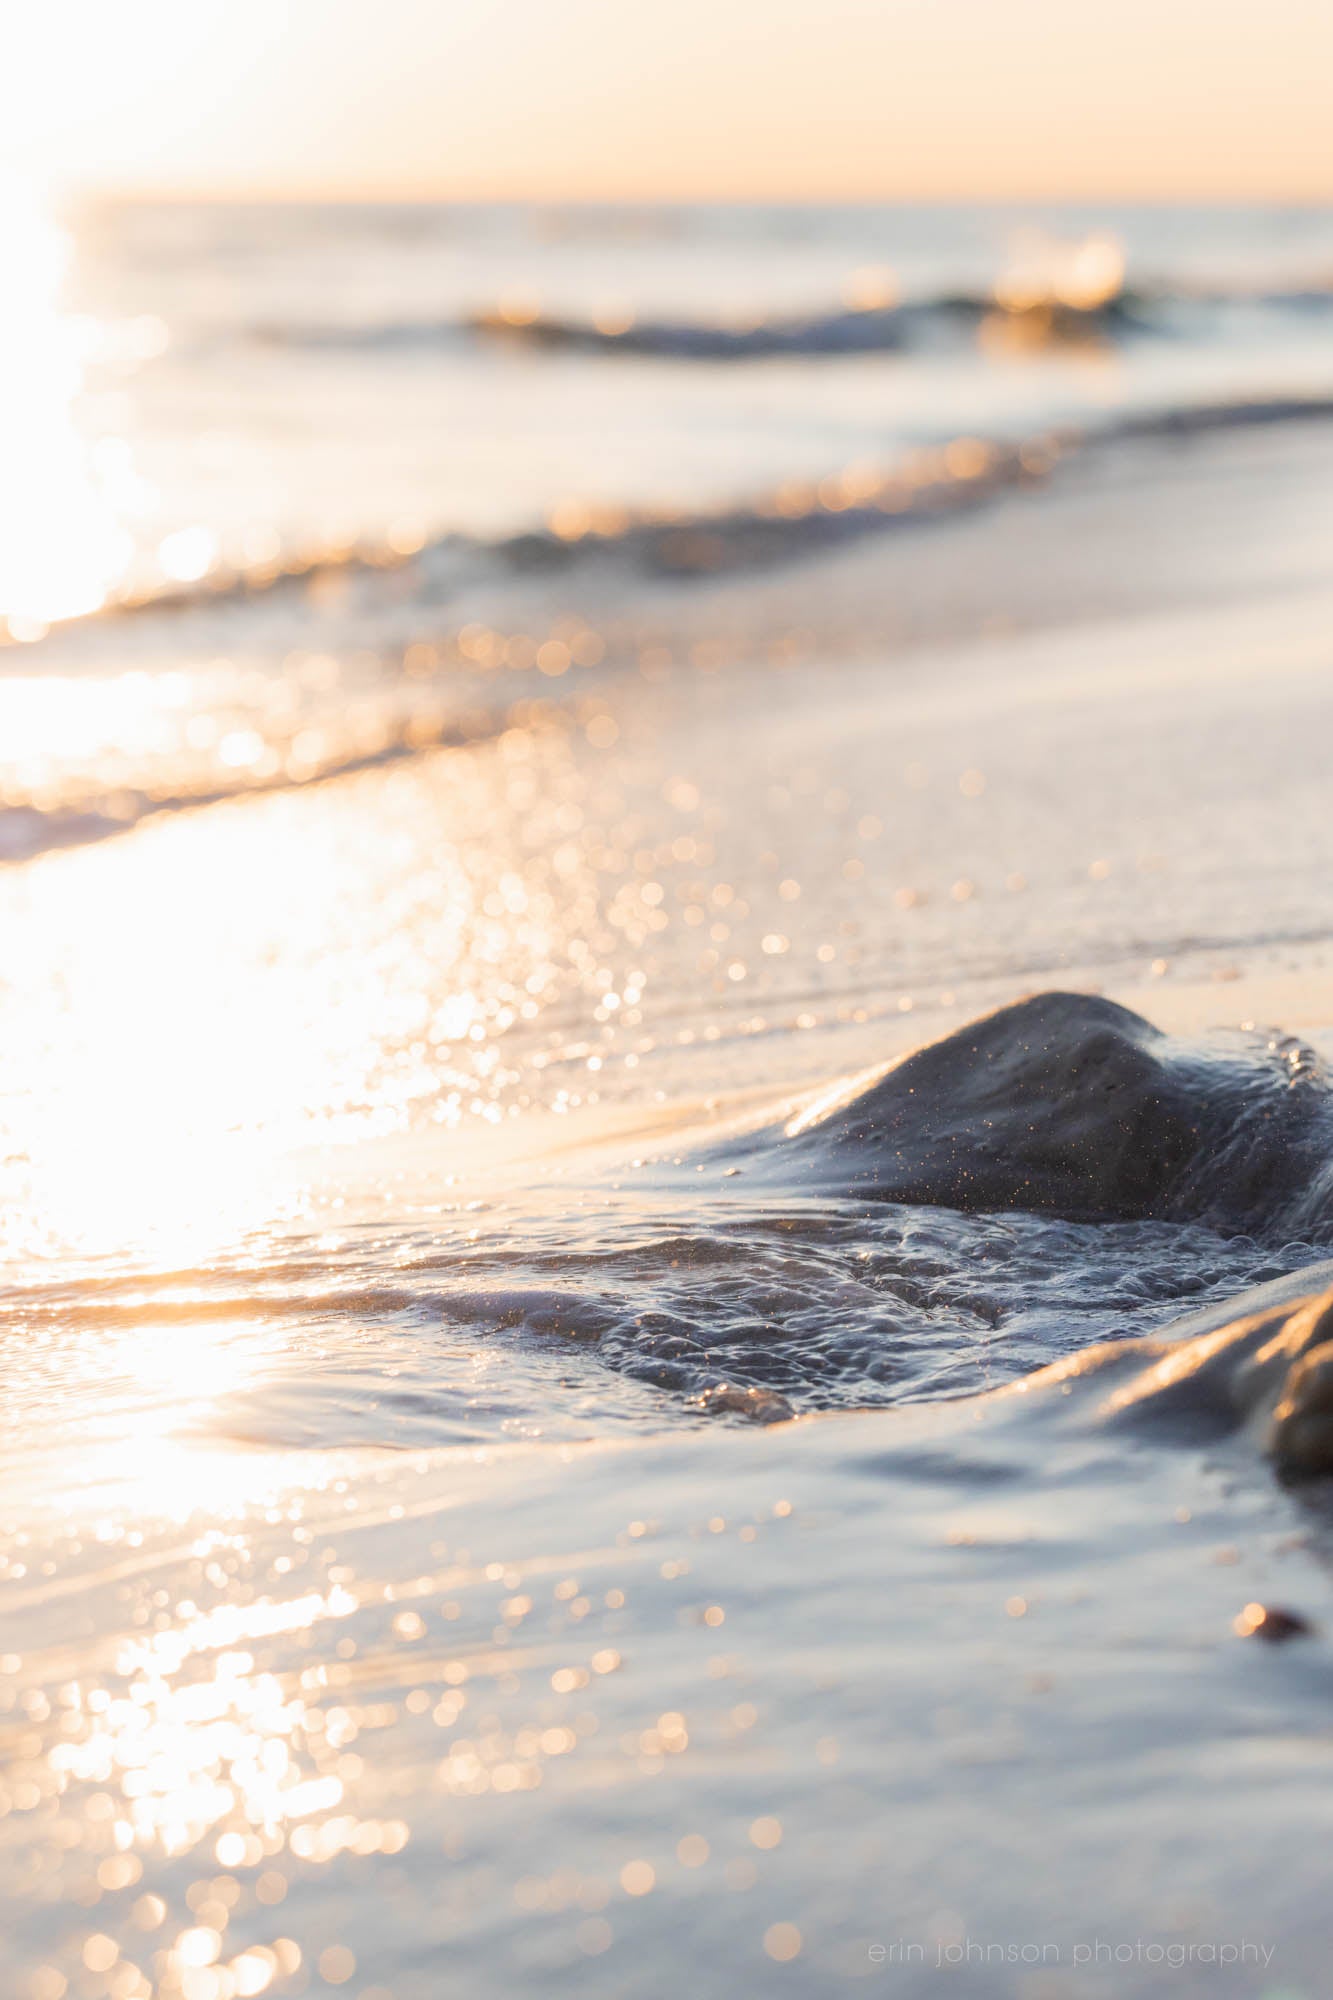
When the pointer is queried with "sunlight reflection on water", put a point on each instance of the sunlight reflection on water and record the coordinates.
(61, 545)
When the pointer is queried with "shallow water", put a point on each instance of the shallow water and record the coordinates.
(397, 1240)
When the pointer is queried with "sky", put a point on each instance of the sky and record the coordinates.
(674, 99)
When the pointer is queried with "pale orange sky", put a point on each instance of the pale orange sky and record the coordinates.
(676, 98)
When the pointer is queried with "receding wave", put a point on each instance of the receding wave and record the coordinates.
(382, 599)
(796, 518)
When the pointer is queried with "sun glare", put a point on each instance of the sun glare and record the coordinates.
(61, 547)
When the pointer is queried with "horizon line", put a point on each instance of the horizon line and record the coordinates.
(331, 193)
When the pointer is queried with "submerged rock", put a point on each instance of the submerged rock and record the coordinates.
(757, 1406)
(1071, 1105)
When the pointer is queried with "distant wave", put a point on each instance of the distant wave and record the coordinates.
(841, 331)
(911, 325)
(907, 326)
(864, 330)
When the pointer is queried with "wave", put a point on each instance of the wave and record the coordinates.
(797, 518)
(381, 600)
(794, 518)
(903, 326)
(845, 331)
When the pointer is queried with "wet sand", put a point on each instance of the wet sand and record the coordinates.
(849, 1697)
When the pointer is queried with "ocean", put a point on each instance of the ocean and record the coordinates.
(511, 718)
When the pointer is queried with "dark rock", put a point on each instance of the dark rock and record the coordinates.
(1071, 1105)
